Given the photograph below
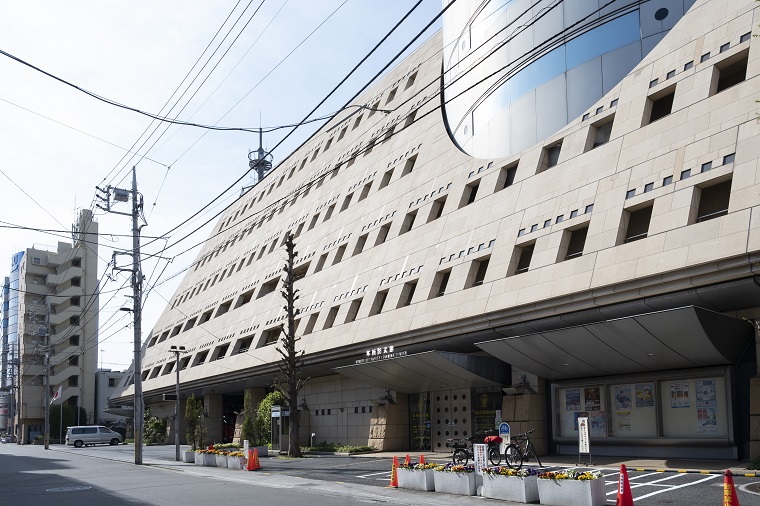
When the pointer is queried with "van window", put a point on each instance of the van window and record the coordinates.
(90, 430)
(104, 429)
(77, 431)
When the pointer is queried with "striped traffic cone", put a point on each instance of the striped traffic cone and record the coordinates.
(624, 497)
(729, 492)
(407, 460)
(422, 459)
(394, 473)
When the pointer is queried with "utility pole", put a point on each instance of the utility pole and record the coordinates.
(176, 350)
(121, 195)
(47, 377)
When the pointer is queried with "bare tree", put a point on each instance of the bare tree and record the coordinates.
(292, 360)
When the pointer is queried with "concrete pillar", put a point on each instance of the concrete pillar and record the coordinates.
(389, 425)
(525, 411)
(213, 405)
(754, 402)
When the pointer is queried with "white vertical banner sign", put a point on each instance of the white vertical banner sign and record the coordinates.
(584, 448)
(479, 458)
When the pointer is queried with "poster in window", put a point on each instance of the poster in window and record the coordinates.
(593, 399)
(576, 415)
(707, 421)
(705, 393)
(679, 394)
(623, 397)
(624, 421)
(598, 423)
(644, 395)
(572, 399)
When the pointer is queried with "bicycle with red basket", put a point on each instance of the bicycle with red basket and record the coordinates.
(463, 448)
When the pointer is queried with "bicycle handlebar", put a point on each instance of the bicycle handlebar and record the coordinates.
(524, 433)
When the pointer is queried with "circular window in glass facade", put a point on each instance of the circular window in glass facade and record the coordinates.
(661, 14)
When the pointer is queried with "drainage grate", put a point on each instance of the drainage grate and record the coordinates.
(67, 489)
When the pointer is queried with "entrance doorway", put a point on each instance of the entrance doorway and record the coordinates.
(450, 410)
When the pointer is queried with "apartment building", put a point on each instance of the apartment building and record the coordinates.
(53, 308)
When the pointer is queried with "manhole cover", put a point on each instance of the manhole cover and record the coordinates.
(67, 489)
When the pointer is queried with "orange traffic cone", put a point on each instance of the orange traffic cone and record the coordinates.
(256, 464)
(422, 459)
(729, 492)
(407, 460)
(394, 473)
(249, 465)
(624, 497)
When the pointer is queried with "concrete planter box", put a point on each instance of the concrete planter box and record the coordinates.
(454, 483)
(235, 462)
(510, 488)
(575, 492)
(209, 459)
(221, 460)
(198, 459)
(188, 456)
(416, 479)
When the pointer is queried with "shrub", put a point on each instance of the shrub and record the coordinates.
(264, 415)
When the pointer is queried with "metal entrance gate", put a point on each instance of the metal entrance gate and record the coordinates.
(450, 413)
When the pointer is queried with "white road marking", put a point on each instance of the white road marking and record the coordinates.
(743, 488)
(710, 477)
(374, 474)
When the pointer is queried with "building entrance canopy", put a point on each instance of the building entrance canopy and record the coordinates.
(680, 338)
(430, 371)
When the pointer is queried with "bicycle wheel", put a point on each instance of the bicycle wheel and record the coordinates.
(493, 455)
(460, 457)
(513, 456)
(533, 453)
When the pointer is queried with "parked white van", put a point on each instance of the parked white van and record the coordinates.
(91, 435)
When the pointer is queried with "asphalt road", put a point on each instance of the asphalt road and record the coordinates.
(107, 475)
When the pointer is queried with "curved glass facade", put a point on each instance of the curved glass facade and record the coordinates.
(517, 71)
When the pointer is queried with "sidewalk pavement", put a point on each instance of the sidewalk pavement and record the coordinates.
(155, 455)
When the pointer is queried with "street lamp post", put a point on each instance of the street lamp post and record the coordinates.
(176, 350)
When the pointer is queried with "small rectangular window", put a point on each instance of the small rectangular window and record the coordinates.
(550, 156)
(745, 37)
(659, 105)
(667, 180)
(365, 192)
(725, 47)
(386, 179)
(599, 134)
(331, 317)
(357, 122)
(313, 222)
(360, 244)
(339, 254)
(407, 293)
(353, 310)
(705, 167)
(547, 223)
(522, 257)
(713, 201)
(729, 159)
(506, 177)
(440, 283)
(648, 187)
(378, 303)
(688, 65)
(469, 194)
(574, 241)
(328, 213)
(320, 263)
(342, 133)
(477, 273)
(730, 72)
(685, 174)
(560, 218)
(437, 210)
(310, 324)
(382, 235)
(346, 202)
(409, 166)
(408, 223)
(671, 74)
(614, 103)
(636, 223)
(391, 95)
(704, 58)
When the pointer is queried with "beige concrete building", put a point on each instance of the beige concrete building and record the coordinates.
(601, 266)
(57, 310)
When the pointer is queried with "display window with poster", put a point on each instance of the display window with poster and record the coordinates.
(665, 406)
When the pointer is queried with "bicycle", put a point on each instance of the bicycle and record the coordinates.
(463, 450)
(515, 456)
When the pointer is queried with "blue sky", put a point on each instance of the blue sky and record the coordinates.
(137, 53)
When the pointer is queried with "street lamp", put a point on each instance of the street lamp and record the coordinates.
(176, 350)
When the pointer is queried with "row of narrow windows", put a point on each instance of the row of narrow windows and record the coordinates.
(710, 201)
